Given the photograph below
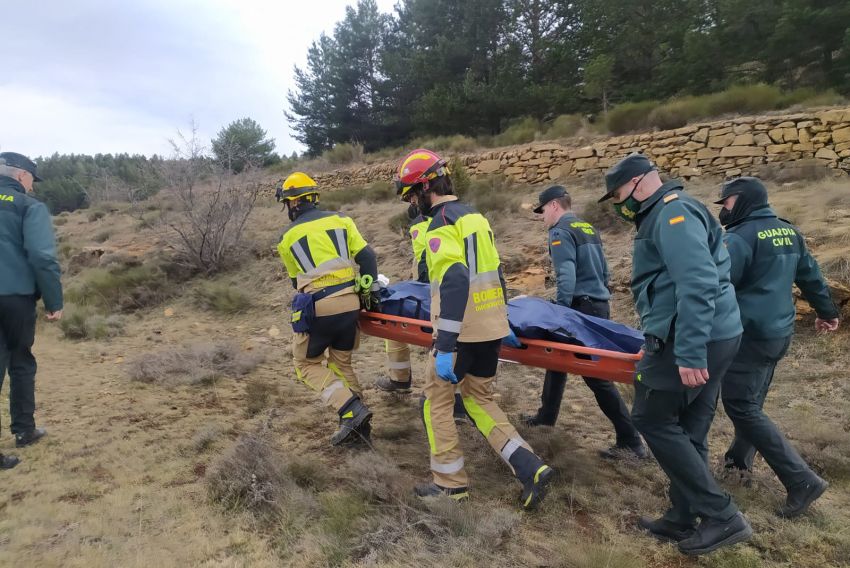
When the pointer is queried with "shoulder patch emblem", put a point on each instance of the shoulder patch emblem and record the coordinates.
(556, 243)
(6, 198)
(671, 197)
(414, 233)
(676, 220)
(434, 244)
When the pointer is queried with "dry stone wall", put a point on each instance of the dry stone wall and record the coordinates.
(727, 148)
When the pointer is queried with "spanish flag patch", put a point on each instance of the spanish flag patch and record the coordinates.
(555, 243)
(676, 220)
(671, 197)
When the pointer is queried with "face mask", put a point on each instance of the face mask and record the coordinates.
(628, 208)
(290, 211)
(725, 216)
(413, 212)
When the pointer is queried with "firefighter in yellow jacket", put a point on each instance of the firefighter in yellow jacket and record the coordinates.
(322, 252)
(469, 316)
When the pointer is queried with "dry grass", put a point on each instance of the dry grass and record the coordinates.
(199, 363)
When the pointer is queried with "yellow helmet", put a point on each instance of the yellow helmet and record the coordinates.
(298, 185)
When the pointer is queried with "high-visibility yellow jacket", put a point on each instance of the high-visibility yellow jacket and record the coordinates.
(318, 250)
(467, 287)
(417, 239)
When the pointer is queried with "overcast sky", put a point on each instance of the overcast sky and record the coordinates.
(89, 76)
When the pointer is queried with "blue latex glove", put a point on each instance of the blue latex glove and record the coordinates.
(446, 367)
(511, 340)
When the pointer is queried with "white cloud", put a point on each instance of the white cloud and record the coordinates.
(99, 76)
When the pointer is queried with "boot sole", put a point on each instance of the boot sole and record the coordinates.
(814, 497)
(734, 538)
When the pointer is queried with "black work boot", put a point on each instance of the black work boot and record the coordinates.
(534, 475)
(8, 462)
(433, 490)
(460, 415)
(667, 531)
(711, 535)
(626, 452)
(28, 438)
(536, 420)
(800, 496)
(387, 384)
(354, 419)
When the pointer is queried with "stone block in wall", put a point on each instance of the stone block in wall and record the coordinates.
(586, 152)
(803, 147)
(691, 146)
(762, 127)
(489, 166)
(762, 139)
(786, 124)
(841, 135)
(776, 135)
(685, 130)
(822, 137)
(734, 172)
(743, 140)
(789, 135)
(805, 123)
(743, 161)
(803, 135)
(531, 173)
(689, 172)
(778, 148)
(671, 141)
(556, 172)
(527, 156)
(701, 135)
(544, 147)
(721, 140)
(599, 149)
(607, 162)
(833, 116)
(663, 150)
(741, 151)
(513, 171)
(539, 161)
(720, 131)
(707, 154)
(826, 154)
(741, 128)
(844, 153)
(583, 164)
(841, 147)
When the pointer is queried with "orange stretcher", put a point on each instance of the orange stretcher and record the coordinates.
(575, 359)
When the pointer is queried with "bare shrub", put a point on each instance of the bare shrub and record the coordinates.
(252, 475)
(83, 323)
(377, 477)
(201, 363)
(206, 436)
(258, 395)
(221, 297)
(206, 228)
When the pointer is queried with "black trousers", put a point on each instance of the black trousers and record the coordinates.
(17, 335)
(338, 331)
(675, 425)
(745, 387)
(607, 396)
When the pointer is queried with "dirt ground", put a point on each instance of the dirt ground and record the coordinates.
(120, 478)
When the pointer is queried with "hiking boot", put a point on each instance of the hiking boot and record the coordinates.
(534, 475)
(535, 420)
(667, 531)
(711, 535)
(424, 490)
(28, 438)
(386, 384)
(800, 496)
(354, 419)
(8, 462)
(626, 453)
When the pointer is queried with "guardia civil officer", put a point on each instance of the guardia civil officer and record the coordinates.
(689, 316)
(769, 256)
(29, 269)
(581, 274)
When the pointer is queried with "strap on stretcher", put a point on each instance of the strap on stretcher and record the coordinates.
(575, 359)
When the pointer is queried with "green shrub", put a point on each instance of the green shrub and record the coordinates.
(677, 113)
(345, 153)
(460, 177)
(807, 97)
(374, 192)
(520, 132)
(399, 223)
(83, 323)
(96, 215)
(565, 126)
(122, 288)
(628, 117)
(102, 237)
(450, 143)
(66, 250)
(149, 220)
(221, 298)
(493, 194)
(744, 99)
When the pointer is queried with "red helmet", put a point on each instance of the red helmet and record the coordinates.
(420, 166)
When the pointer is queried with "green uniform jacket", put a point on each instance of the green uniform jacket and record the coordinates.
(680, 275)
(578, 260)
(769, 255)
(28, 264)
